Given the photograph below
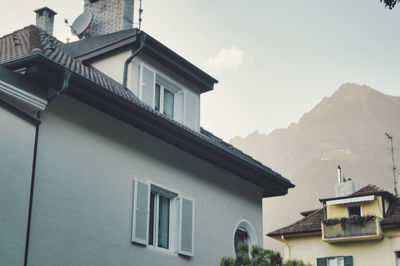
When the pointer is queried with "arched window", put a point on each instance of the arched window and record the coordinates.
(244, 233)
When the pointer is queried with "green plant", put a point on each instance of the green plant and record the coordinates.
(354, 219)
(274, 258)
(295, 262)
(227, 261)
(259, 257)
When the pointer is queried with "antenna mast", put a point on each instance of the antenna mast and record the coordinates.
(140, 15)
(394, 168)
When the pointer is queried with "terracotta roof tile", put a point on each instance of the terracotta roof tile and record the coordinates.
(393, 214)
(311, 223)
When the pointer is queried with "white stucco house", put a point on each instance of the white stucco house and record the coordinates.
(95, 170)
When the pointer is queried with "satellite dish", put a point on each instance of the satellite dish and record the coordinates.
(81, 23)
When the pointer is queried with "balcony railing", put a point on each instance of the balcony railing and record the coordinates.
(347, 230)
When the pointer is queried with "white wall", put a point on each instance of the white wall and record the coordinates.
(87, 162)
(16, 153)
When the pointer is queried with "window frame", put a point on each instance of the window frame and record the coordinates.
(336, 259)
(353, 205)
(246, 226)
(165, 83)
(173, 197)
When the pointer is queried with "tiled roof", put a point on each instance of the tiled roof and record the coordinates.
(306, 213)
(313, 219)
(309, 224)
(393, 214)
(31, 40)
(365, 191)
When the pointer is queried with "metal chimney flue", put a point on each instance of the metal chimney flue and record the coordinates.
(343, 187)
(45, 19)
(339, 174)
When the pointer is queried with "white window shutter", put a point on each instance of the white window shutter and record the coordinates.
(147, 85)
(186, 227)
(191, 111)
(178, 107)
(141, 209)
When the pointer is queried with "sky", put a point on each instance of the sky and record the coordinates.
(274, 60)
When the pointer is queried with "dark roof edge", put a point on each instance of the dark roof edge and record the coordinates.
(273, 185)
(293, 233)
(161, 52)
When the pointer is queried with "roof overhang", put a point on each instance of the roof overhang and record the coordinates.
(49, 72)
(98, 47)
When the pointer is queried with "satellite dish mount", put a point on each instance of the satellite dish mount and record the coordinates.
(81, 24)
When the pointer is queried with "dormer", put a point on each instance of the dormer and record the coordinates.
(158, 76)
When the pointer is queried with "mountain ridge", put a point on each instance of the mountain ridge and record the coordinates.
(347, 129)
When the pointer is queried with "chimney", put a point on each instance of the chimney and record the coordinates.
(343, 187)
(45, 19)
(109, 16)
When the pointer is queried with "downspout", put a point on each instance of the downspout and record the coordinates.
(64, 87)
(142, 36)
(28, 229)
(288, 247)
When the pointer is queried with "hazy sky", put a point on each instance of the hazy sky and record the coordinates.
(274, 60)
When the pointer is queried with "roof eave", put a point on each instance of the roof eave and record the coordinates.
(272, 183)
(160, 52)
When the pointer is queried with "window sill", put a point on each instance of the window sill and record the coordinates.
(163, 250)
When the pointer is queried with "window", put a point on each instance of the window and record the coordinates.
(335, 261)
(241, 236)
(164, 100)
(159, 220)
(162, 219)
(169, 98)
(398, 258)
(339, 261)
(244, 233)
(354, 210)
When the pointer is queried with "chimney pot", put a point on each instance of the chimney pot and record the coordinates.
(45, 19)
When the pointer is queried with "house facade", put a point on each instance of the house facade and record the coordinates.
(362, 228)
(93, 172)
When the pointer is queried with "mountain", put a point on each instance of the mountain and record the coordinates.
(346, 129)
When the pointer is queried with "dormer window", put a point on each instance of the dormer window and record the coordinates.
(164, 100)
(168, 97)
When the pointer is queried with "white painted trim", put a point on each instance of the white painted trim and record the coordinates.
(246, 225)
(180, 251)
(142, 65)
(29, 100)
(173, 217)
(350, 200)
(134, 239)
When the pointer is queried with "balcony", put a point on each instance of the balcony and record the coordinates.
(347, 230)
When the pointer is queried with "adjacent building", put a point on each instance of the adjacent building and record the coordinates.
(353, 228)
(102, 157)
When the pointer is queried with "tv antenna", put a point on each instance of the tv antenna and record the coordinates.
(81, 24)
(394, 167)
(140, 14)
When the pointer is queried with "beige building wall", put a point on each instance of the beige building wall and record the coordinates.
(365, 253)
(369, 207)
